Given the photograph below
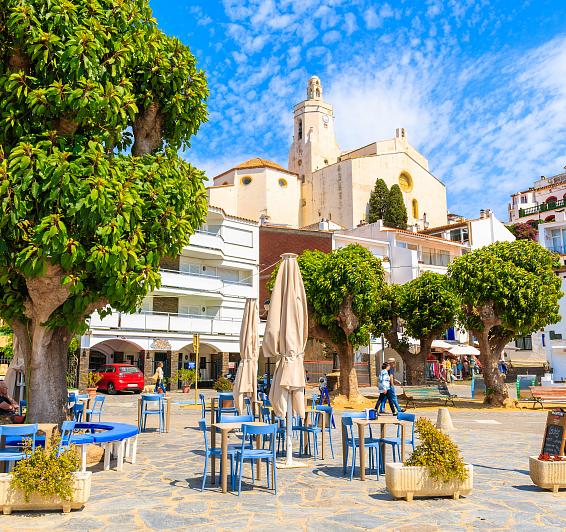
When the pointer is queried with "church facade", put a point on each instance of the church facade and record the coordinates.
(322, 182)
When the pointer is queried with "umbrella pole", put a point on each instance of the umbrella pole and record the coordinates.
(289, 462)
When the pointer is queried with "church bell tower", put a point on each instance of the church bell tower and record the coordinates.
(314, 143)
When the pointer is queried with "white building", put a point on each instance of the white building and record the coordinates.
(539, 203)
(203, 291)
(552, 235)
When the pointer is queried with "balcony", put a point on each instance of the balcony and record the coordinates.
(199, 282)
(543, 207)
(172, 323)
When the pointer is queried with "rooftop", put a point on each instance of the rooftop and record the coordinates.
(256, 162)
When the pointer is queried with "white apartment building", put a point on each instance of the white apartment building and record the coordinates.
(552, 235)
(203, 291)
(539, 203)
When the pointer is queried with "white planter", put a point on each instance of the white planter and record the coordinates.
(11, 499)
(548, 475)
(406, 482)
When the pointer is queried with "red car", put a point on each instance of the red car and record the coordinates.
(120, 377)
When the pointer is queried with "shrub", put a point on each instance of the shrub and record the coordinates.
(93, 378)
(186, 376)
(438, 453)
(222, 384)
(45, 473)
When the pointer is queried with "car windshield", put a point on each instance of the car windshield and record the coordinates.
(128, 369)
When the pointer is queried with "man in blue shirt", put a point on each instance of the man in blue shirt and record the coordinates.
(391, 395)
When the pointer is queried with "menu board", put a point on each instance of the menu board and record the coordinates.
(555, 433)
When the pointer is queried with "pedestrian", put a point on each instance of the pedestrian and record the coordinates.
(383, 385)
(307, 376)
(449, 372)
(465, 368)
(158, 376)
(391, 394)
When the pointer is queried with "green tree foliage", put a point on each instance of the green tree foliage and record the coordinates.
(523, 231)
(95, 102)
(378, 201)
(396, 212)
(422, 309)
(506, 289)
(344, 289)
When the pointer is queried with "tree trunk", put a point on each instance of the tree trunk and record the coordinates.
(415, 368)
(348, 375)
(497, 391)
(147, 128)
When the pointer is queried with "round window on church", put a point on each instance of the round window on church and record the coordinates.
(405, 182)
(282, 183)
(246, 180)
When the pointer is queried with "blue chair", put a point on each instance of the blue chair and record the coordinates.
(23, 404)
(147, 401)
(268, 454)
(396, 442)
(96, 409)
(235, 418)
(306, 430)
(225, 398)
(67, 428)
(203, 408)
(353, 443)
(328, 411)
(77, 411)
(13, 453)
(217, 453)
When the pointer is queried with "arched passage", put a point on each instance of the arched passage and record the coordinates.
(115, 351)
(212, 364)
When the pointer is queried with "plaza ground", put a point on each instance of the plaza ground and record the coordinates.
(162, 490)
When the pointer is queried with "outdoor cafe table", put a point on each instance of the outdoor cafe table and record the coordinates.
(224, 429)
(383, 422)
(167, 410)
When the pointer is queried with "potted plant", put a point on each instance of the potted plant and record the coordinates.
(435, 468)
(548, 472)
(187, 378)
(45, 481)
(222, 384)
(93, 378)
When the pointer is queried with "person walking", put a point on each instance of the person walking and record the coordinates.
(390, 394)
(383, 385)
(158, 376)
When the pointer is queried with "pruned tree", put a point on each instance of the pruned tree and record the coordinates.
(396, 213)
(84, 223)
(424, 309)
(343, 290)
(378, 201)
(506, 290)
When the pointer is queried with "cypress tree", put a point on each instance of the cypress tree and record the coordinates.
(378, 201)
(396, 212)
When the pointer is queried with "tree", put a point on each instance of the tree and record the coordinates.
(378, 201)
(396, 212)
(422, 309)
(524, 231)
(506, 290)
(343, 290)
(84, 223)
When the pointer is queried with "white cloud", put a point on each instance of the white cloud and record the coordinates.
(371, 19)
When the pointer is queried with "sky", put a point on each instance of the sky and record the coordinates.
(479, 86)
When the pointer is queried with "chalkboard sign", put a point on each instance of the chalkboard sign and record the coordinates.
(555, 433)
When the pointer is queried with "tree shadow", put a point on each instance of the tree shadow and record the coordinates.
(522, 471)
(530, 488)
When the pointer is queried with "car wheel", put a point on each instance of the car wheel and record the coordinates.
(137, 391)
(111, 389)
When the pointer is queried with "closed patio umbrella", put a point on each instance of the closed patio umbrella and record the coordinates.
(245, 382)
(285, 337)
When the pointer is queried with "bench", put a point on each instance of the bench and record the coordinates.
(547, 394)
(428, 393)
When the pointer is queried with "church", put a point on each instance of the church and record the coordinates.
(324, 183)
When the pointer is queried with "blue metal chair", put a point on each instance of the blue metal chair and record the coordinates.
(96, 409)
(225, 397)
(23, 404)
(268, 454)
(203, 408)
(306, 430)
(326, 410)
(78, 409)
(396, 442)
(13, 453)
(147, 401)
(217, 453)
(67, 428)
(353, 443)
(235, 418)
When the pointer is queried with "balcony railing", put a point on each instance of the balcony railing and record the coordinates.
(558, 249)
(169, 322)
(543, 207)
(247, 282)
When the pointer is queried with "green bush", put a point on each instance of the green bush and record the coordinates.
(222, 384)
(44, 473)
(186, 376)
(438, 453)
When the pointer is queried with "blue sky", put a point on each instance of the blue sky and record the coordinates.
(479, 86)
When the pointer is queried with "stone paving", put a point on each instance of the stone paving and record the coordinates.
(162, 490)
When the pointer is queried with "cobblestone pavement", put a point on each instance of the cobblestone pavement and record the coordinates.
(161, 491)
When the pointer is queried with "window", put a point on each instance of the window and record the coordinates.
(460, 235)
(282, 183)
(128, 369)
(246, 180)
(435, 257)
(524, 199)
(405, 182)
(415, 204)
(300, 128)
(524, 343)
